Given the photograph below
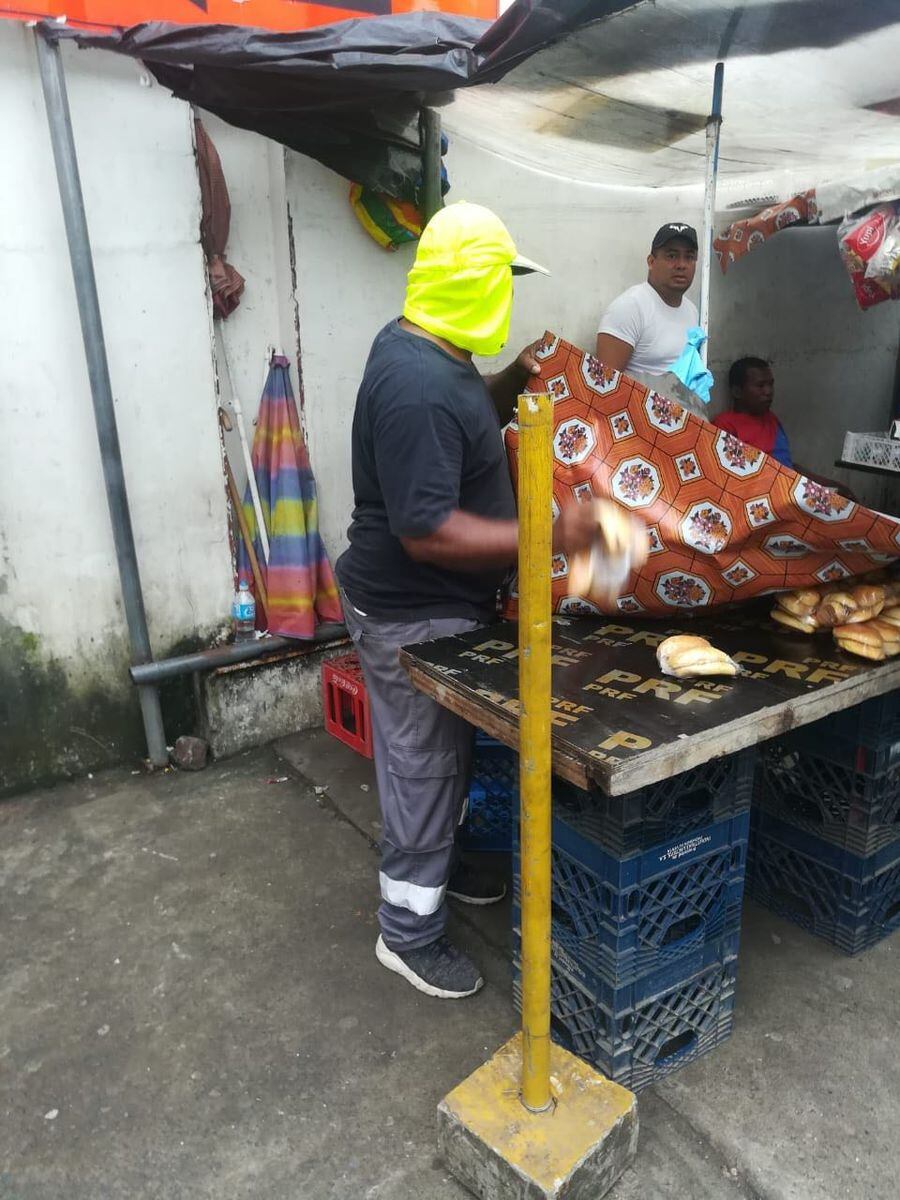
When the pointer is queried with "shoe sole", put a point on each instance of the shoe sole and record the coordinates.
(477, 901)
(395, 963)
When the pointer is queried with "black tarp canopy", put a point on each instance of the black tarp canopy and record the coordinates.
(346, 94)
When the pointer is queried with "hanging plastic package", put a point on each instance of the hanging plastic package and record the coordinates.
(690, 368)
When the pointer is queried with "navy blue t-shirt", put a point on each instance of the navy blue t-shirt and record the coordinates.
(426, 441)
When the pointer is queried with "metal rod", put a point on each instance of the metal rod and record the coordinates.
(60, 123)
(245, 451)
(226, 656)
(713, 131)
(430, 142)
(535, 535)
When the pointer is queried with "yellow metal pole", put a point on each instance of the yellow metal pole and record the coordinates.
(535, 536)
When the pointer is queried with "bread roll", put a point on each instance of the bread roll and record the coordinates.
(869, 595)
(861, 615)
(836, 609)
(891, 615)
(622, 546)
(802, 601)
(684, 656)
(805, 624)
(861, 640)
(890, 636)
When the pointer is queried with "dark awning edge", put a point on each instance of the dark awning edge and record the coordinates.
(345, 94)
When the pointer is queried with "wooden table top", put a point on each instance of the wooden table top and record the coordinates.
(618, 722)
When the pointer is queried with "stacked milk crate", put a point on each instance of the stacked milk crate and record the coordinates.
(647, 892)
(825, 851)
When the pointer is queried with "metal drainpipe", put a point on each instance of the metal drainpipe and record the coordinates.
(60, 122)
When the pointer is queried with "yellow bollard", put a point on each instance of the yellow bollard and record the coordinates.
(506, 1131)
(535, 547)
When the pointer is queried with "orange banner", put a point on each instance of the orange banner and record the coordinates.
(280, 15)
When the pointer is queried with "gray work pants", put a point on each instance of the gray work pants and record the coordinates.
(423, 756)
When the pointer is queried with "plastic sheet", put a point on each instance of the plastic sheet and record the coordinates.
(726, 521)
(346, 94)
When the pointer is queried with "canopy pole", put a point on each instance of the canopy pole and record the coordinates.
(430, 142)
(535, 537)
(59, 121)
(713, 130)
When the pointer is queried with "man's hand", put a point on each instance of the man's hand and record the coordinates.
(527, 362)
(506, 385)
(575, 528)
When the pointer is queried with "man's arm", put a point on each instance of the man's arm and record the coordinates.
(465, 542)
(506, 386)
(614, 352)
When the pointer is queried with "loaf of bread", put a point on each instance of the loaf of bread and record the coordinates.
(835, 609)
(803, 624)
(801, 602)
(685, 656)
(890, 636)
(862, 640)
(621, 546)
(891, 615)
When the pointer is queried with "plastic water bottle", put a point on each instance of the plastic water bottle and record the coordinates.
(243, 613)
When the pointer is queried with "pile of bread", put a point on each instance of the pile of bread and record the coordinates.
(864, 619)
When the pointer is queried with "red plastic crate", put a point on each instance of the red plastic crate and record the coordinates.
(345, 702)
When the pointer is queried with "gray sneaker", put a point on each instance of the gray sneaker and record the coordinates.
(438, 969)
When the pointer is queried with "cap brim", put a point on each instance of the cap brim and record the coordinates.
(524, 266)
(676, 237)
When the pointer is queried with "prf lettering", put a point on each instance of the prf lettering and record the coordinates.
(609, 685)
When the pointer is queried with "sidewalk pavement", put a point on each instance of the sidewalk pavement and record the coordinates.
(190, 1006)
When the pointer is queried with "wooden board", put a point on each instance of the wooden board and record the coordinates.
(618, 721)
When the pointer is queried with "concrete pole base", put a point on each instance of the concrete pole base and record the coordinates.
(501, 1151)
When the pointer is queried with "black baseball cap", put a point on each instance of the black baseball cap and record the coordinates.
(674, 229)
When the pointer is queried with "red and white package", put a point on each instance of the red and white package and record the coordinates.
(870, 248)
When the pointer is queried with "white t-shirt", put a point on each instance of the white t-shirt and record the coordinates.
(657, 331)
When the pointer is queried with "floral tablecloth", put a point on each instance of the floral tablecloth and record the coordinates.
(726, 521)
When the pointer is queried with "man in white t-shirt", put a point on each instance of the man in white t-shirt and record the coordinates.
(645, 329)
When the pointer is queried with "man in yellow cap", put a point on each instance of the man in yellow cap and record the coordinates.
(434, 532)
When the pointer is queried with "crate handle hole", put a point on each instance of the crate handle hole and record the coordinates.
(679, 930)
(892, 913)
(606, 899)
(676, 1046)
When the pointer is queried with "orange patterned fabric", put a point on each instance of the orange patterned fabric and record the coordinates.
(726, 521)
(743, 236)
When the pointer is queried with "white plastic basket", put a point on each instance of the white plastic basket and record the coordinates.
(872, 450)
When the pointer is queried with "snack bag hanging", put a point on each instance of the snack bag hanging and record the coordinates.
(726, 521)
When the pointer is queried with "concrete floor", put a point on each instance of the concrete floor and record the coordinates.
(190, 1007)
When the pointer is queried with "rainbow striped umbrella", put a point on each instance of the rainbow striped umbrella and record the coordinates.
(299, 581)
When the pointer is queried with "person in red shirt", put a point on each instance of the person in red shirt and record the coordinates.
(752, 386)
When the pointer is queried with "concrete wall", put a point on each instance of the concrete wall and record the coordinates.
(593, 239)
(64, 701)
(791, 302)
(63, 646)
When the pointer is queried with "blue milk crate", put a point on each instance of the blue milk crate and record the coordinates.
(863, 738)
(855, 810)
(850, 901)
(568, 952)
(624, 918)
(661, 1028)
(629, 824)
(493, 797)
